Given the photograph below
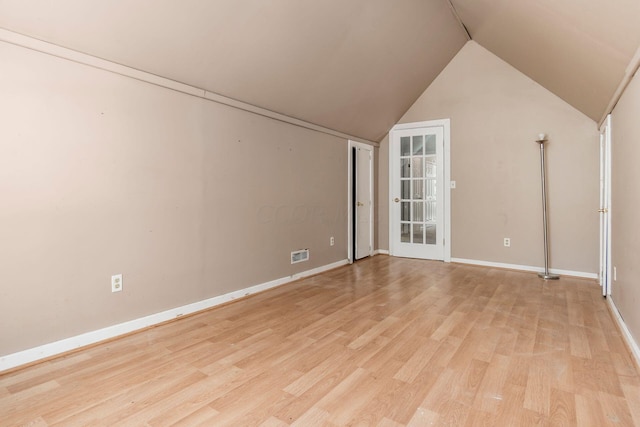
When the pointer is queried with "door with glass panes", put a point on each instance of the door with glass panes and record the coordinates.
(417, 190)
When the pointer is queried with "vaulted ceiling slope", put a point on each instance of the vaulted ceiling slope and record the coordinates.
(354, 66)
(577, 49)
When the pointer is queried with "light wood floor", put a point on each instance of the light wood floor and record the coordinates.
(385, 342)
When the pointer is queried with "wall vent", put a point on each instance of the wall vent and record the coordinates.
(299, 256)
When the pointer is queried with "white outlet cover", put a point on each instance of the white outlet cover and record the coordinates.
(116, 283)
(453, 184)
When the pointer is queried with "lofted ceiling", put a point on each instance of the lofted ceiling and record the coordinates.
(354, 66)
(577, 49)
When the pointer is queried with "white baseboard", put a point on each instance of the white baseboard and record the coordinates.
(525, 268)
(626, 334)
(381, 252)
(58, 347)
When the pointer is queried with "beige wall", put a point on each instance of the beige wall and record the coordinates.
(496, 113)
(625, 205)
(102, 174)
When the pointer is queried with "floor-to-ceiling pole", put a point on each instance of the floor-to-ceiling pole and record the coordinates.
(545, 275)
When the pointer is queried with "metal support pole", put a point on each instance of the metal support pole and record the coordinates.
(544, 275)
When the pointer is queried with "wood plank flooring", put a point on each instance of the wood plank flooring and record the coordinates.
(385, 342)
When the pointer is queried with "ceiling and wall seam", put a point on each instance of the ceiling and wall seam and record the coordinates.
(64, 53)
(353, 67)
(354, 72)
(630, 72)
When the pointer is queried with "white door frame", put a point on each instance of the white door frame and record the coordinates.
(605, 272)
(350, 242)
(445, 124)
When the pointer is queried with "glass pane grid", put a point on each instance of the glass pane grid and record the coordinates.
(418, 189)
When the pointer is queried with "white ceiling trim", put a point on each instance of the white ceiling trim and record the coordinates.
(123, 70)
(629, 72)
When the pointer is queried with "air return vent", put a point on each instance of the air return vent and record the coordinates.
(299, 256)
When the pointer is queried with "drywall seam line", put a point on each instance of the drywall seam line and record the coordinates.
(57, 348)
(41, 46)
(455, 14)
(571, 273)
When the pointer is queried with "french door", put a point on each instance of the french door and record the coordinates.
(417, 190)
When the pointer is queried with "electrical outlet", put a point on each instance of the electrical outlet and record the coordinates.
(116, 283)
(453, 184)
(507, 242)
(332, 241)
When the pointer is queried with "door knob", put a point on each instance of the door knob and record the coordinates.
(359, 204)
(396, 200)
(603, 210)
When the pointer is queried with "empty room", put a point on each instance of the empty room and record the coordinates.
(319, 213)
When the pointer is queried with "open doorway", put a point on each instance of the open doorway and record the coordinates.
(360, 203)
(605, 275)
